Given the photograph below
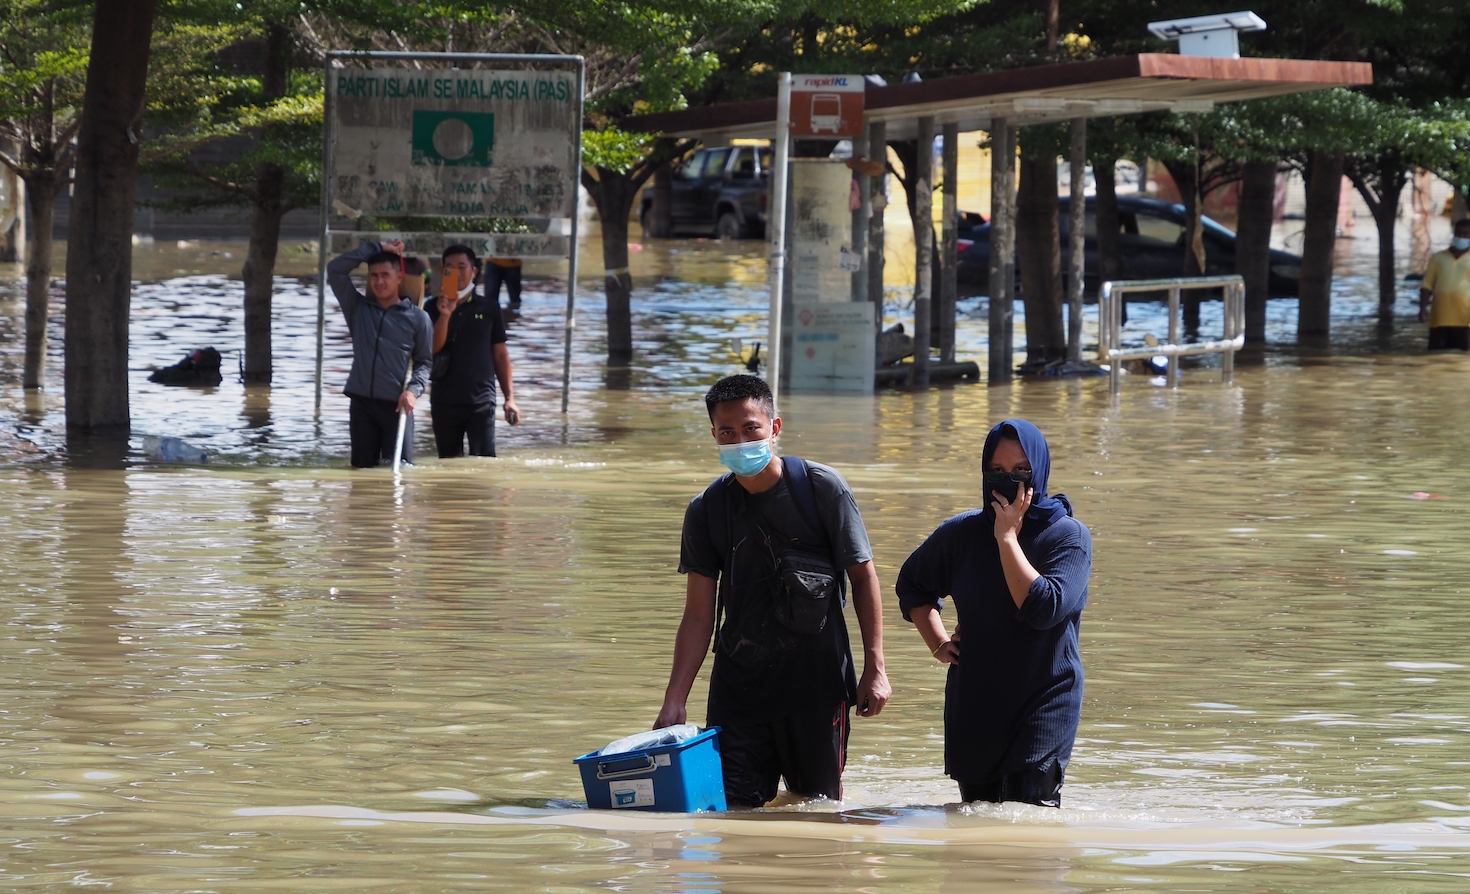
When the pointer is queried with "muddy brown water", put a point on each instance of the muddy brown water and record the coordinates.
(273, 673)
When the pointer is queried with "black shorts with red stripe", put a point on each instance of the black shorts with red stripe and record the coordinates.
(808, 748)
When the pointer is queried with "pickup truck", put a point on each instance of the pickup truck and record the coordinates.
(718, 192)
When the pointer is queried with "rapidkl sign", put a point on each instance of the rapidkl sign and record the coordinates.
(827, 106)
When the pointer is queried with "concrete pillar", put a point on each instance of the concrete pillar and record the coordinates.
(877, 202)
(1076, 236)
(1002, 247)
(860, 224)
(948, 262)
(923, 250)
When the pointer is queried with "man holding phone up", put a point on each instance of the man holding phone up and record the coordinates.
(469, 355)
(767, 546)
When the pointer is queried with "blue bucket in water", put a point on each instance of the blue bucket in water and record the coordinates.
(680, 777)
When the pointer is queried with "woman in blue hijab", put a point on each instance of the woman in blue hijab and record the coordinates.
(1017, 574)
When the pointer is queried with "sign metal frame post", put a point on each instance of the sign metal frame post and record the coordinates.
(562, 62)
(571, 320)
(778, 231)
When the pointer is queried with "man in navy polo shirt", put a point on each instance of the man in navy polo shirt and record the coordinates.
(469, 356)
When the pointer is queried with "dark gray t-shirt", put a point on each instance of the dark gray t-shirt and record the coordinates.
(762, 670)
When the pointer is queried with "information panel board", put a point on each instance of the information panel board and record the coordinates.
(832, 348)
(453, 142)
(822, 259)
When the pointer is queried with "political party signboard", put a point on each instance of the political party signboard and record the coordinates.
(827, 106)
(453, 145)
(486, 245)
(453, 142)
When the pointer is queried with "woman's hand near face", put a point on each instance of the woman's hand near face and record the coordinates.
(1008, 516)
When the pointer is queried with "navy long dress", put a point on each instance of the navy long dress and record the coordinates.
(1013, 701)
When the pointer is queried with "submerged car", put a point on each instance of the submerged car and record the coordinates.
(1151, 245)
(718, 192)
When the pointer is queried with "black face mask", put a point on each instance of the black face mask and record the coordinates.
(1007, 484)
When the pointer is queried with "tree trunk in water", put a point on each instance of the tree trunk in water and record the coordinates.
(908, 156)
(1186, 177)
(41, 202)
(613, 193)
(1038, 239)
(99, 248)
(1319, 239)
(260, 269)
(1253, 243)
(661, 211)
(265, 219)
(1109, 246)
(1393, 174)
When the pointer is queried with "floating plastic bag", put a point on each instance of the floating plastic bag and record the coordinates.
(669, 735)
(172, 450)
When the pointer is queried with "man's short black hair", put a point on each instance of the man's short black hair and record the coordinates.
(386, 257)
(1460, 224)
(461, 250)
(741, 387)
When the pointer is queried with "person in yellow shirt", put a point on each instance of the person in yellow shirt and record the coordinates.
(1444, 295)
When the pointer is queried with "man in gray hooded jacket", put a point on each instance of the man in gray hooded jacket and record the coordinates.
(388, 333)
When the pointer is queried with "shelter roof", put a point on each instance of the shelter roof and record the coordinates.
(1120, 85)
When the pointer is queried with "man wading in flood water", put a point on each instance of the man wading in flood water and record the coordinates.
(1444, 295)
(766, 546)
(388, 333)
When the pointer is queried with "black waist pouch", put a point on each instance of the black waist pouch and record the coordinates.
(808, 585)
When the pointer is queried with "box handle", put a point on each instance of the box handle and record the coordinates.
(648, 763)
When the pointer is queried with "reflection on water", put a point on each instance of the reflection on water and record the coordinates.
(274, 672)
(693, 298)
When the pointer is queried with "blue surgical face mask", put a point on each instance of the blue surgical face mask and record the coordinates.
(746, 459)
(1460, 243)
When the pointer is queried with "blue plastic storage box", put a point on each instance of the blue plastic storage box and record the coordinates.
(685, 777)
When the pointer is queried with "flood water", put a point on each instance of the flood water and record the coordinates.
(273, 673)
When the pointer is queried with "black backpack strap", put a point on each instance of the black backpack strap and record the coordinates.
(800, 482)
(716, 517)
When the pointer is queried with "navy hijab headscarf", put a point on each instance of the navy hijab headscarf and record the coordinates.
(1045, 508)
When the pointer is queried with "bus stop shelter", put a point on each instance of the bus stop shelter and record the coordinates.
(1000, 102)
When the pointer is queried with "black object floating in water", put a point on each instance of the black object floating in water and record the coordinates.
(200, 367)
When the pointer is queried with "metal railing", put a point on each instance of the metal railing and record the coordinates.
(1110, 325)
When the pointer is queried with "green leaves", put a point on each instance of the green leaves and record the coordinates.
(615, 150)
